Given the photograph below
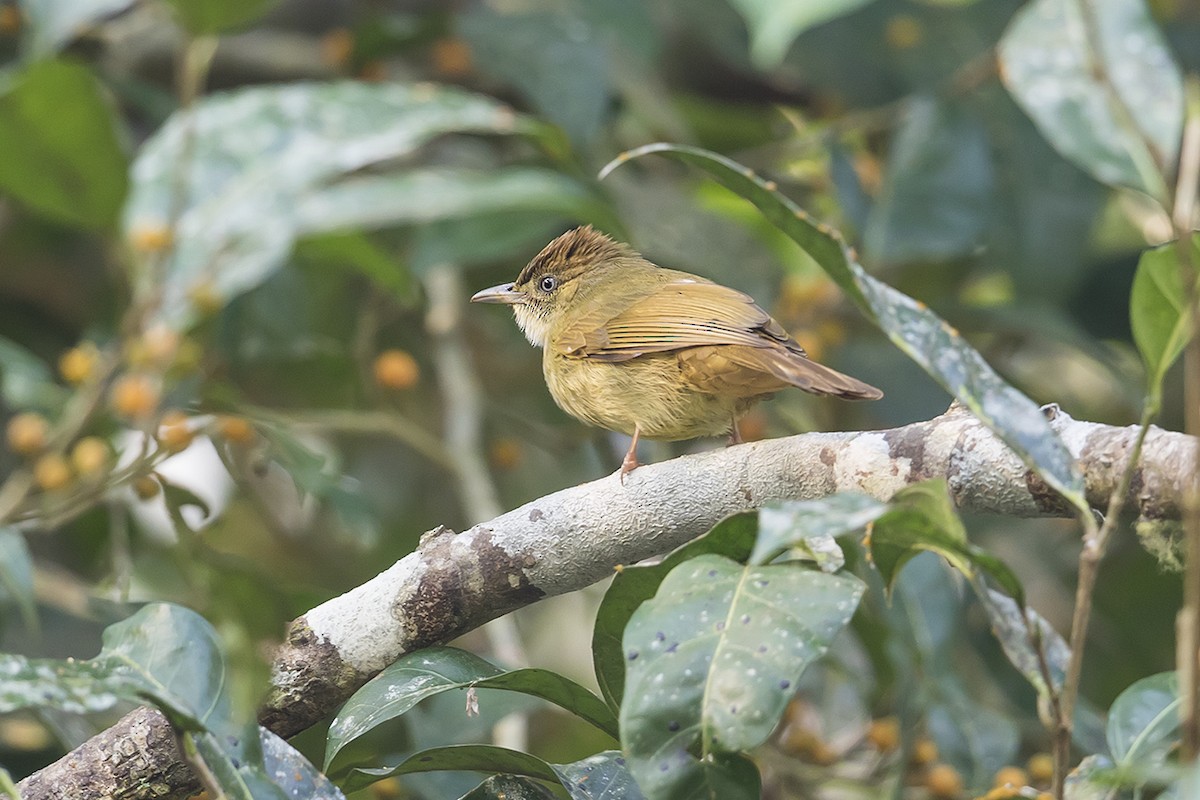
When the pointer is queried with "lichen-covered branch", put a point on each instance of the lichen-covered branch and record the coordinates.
(572, 538)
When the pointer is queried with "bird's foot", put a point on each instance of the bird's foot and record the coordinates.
(628, 465)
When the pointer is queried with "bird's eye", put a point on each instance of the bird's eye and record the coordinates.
(548, 283)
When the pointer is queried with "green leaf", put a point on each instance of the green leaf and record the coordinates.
(7, 787)
(16, 576)
(975, 739)
(1102, 86)
(164, 653)
(460, 757)
(509, 787)
(796, 523)
(258, 765)
(215, 16)
(775, 24)
(62, 156)
(732, 537)
(1010, 625)
(712, 661)
(604, 776)
(357, 252)
(917, 331)
(1143, 723)
(54, 23)
(1158, 312)
(938, 189)
(923, 517)
(434, 670)
(25, 380)
(242, 210)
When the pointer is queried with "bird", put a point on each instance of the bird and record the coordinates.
(652, 352)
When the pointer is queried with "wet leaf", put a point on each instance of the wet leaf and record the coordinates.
(62, 156)
(918, 332)
(1009, 625)
(604, 776)
(258, 765)
(435, 670)
(509, 787)
(711, 662)
(461, 758)
(1158, 312)
(775, 24)
(1102, 86)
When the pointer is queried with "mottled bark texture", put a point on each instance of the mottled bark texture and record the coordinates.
(572, 538)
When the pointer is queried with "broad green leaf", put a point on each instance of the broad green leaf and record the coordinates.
(356, 251)
(795, 523)
(923, 517)
(55, 23)
(164, 653)
(460, 757)
(26, 381)
(775, 24)
(1092, 779)
(251, 158)
(434, 670)
(1010, 624)
(7, 787)
(1158, 312)
(917, 331)
(732, 537)
(938, 189)
(1102, 86)
(428, 195)
(214, 16)
(1143, 723)
(62, 155)
(16, 576)
(712, 660)
(975, 739)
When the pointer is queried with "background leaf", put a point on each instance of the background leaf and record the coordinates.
(1101, 85)
(62, 154)
(16, 576)
(1158, 312)
(54, 23)
(793, 522)
(775, 24)
(1143, 722)
(214, 16)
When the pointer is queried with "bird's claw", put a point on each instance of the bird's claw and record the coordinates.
(628, 465)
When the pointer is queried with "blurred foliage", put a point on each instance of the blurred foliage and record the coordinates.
(230, 378)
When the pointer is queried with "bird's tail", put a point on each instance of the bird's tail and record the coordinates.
(803, 373)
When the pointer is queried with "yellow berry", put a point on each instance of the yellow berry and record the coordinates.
(924, 752)
(135, 396)
(943, 780)
(90, 455)
(903, 32)
(336, 47)
(1044, 796)
(27, 433)
(10, 23)
(156, 347)
(884, 734)
(235, 430)
(396, 369)
(174, 432)
(146, 487)
(206, 300)
(451, 57)
(51, 472)
(1005, 792)
(78, 365)
(150, 238)
(505, 453)
(1041, 767)
(1010, 776)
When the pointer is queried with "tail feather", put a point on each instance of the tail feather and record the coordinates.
(803, 373)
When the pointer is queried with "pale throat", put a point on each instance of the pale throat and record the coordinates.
(535, 328)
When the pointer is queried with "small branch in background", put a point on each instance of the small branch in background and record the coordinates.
(463, 420)
(1187, 624)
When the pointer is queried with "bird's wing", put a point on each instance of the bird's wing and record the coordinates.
(676, 315)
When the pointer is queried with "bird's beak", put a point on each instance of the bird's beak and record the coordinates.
(500, 294)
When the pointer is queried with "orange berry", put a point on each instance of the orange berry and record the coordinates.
(1005, 792)
(235, 430)
(505, 453)
(27, 433)
(1041, 767)
(90, 455)
(10, 23)
(78, 365)
(1044, 796)
(135, 396)
(884, 734)
(51, 472)
(451, 57)
(156, 347)
(943, 780)
(396, 369)
(150, 238)
(206, 299)
(146, 487)
(373, 71)
(1010, 776)
(336, 47)
(174, 432)
(924, 752)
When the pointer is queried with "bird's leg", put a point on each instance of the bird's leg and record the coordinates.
(630, 462)
(735, 436)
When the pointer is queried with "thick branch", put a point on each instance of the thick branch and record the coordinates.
(572, 538)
